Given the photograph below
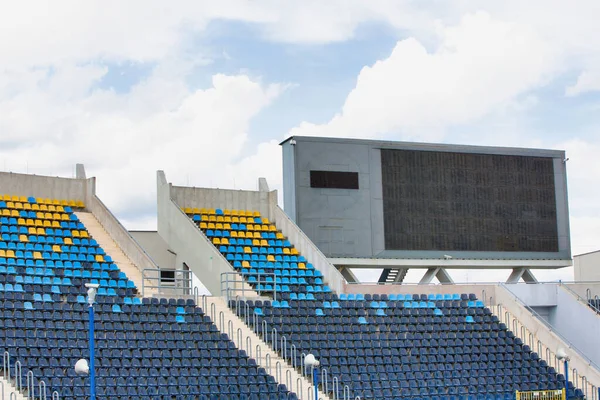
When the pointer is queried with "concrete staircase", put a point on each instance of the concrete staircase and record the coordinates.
(7, 390)
(111, 248)
(305, 391)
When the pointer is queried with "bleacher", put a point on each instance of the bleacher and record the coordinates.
(145, 348)
(382, 347)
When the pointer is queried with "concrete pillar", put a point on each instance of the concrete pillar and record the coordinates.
(521, 273)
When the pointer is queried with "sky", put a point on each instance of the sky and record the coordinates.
(206, 90)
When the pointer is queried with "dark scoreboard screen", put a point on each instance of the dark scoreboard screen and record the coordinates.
(468, 202)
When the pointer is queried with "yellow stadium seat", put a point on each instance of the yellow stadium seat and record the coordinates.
(38, 222)
(235, 213)
(47, 201)
(272, 228)
(68, 241)
(21, 221)
(72, 203)
(48, 215)
(203, 211)
(242, 220)
(56, 248)
(250, 227)
(265, 221)
(286, 250)
(301, 266)
(64, 203)
(241, 234)
(43, 207)
(216, 240)
(294, 251)
(234, 234)
(204, 217)
(47, 224)
(55, 224)
(6, 212)
(212, 218)
(30, 222)
(14, 198)
(203, 225)
(14, 213)
(195, 210)
(35, 207)
(226, 226)
(41, 231)
(227, 212)
(187, 210)
(84, 234)
(256, 214)
(271, 258)
(51, 208)
(75, 234)
(220, 218)
(245, 264)
(56, 216)
(264, 243)
(264, 228)
(6, 197)
(99, 258)
(10, 254)
(32, 231)
(211, 225)
(79, 204)
(250, 220)
(23, 199)
(224, 241)
(26, 206)
(23, 238)
(211, 211)
(64, 217)
(279, 235)
(19, 206)
(227, 218)
(219, 225)
(255, 242)
(60, 209)
(2, 253)
(248, 250)
(235, 220)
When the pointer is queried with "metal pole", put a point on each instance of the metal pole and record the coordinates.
(316, 382)
(92, 372)
(566, 378)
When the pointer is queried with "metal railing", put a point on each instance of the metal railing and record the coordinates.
(587, 300)
(233, 285)
(542, 395)
(179, 285)
(16, 379)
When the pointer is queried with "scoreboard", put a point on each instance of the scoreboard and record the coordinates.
(382, 199)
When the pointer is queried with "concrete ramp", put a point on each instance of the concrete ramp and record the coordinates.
(111, 248)
(10, 392)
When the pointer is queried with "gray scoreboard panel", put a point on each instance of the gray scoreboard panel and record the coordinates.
(468, 202)
(381, 199)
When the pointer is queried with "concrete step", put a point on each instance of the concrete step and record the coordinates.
(8, 389)
(300, 385)
(111, 248)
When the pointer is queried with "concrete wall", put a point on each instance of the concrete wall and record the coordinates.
(223, 198)
(185, 238)
(587, 267)
(551, 340)
(539, 295)
(349, 222)
(331, 275)
(157, 248)
(577, 322)
(43, 186)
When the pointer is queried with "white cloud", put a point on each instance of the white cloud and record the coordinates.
(588, 81)
(480, 65)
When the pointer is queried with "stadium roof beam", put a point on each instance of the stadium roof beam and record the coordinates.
(522, 272)
(439, 273)
(450, 263)
(348, 274)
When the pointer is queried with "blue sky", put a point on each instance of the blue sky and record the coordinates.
(206, 90)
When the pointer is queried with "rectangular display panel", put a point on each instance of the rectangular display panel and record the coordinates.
(468, 202)
(333, 180)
